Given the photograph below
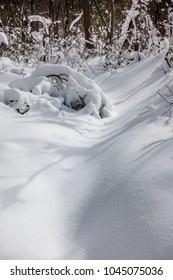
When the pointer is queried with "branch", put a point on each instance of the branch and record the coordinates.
(167, 101)
(169, 89)
(100, 14)
(164, 98)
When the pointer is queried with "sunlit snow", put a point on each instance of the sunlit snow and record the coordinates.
(75, 186)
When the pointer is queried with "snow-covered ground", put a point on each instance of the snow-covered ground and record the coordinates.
(73, 186)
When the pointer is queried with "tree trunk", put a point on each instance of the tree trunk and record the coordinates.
(99, 12)
(32, 7)
(112, 23)
(67, 6)
(87, 23)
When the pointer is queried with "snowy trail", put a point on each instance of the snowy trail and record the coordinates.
(80, 188)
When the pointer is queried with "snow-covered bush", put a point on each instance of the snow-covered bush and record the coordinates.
(22, 44)
(116, 59)
(162, 47)
(74, 89)
(37, 85)
(23, 101)
(3, 42)
(7, 65)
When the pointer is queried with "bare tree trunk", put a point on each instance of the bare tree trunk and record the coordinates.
(58, 9)
(51, 9)
(32, 7)
(87, 23)
(66, 16)
(100, 14)
(112, 23)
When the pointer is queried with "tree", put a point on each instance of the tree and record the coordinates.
(159, 11)
(112, 21)
(87, 23)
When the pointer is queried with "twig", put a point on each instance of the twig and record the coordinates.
(164, 98)
(169, 90)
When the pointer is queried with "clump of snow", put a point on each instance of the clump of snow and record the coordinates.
(3, 39)
(37, 86)
(23, 101)
(18, 100)
(45, 104)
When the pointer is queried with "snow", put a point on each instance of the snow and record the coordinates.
(3, 39)
(75, 89)
(132, 13)
(75, 21)
(45, 21)
(7, 65)
(18, 100)
(77, 187)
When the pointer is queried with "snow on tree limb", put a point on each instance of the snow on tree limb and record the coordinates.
(76, 20)
(45, 21)
(3, 39)
(132, 14)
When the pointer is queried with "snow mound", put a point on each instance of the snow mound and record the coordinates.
(18, 100)
(37, 86)
(23, 101)
(77, 91)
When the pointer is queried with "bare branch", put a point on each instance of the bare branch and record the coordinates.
(169, 89)
(165, 99)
